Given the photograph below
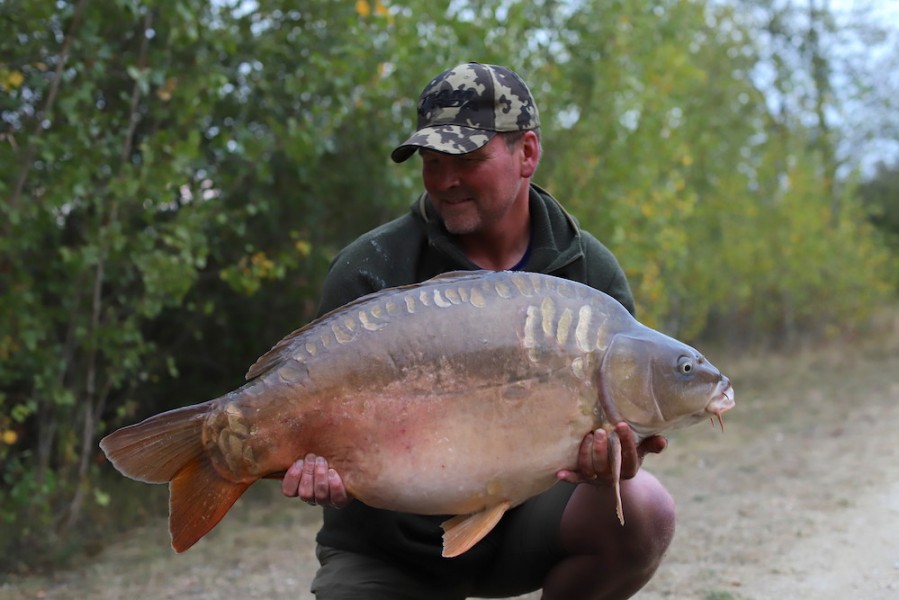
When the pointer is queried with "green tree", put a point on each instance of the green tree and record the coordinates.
(103, 228)
(880, 198)
(671, 149)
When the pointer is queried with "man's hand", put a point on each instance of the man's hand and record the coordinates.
(315, 483)
(594, 461)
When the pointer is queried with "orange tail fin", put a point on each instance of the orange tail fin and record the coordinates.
(168, 448)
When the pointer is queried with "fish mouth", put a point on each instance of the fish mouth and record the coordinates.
(722, 401)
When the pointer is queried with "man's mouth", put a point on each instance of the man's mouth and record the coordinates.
(455, 201)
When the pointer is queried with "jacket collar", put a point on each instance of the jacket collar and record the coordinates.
(555, 234)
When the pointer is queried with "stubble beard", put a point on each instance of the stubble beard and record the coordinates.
(461, 222)
(472, 217)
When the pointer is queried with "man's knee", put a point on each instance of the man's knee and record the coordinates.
(590, 524)
(605, 558)
(652, 510)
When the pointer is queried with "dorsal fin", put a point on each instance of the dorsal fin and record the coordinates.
(464, 531)
(283, 350)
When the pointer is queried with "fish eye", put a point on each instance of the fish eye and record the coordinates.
(685, 365)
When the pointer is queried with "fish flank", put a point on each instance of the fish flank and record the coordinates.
(440, 301)
(326, 341)
(521, 284)
(531, 326)
(547, 318)
(565, 290)
(564, 327)
(293, 371)
(503, 290)
(602, 336)
(477, 298)
(582, 329)
(368, 323)
(341, 335)
(578, 367)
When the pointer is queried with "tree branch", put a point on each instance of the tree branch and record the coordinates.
(31, 149)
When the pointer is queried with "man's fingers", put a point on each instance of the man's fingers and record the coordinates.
(339, 497)
(630, 457)
(321, 491)
(599, 460)
(290, 483)
(653, 445)
(569, 476)
(306, 490)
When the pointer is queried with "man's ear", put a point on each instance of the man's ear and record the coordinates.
(530, 153)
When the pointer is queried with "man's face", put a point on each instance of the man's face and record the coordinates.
(473, 192)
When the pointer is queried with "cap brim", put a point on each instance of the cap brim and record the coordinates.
(449, 139)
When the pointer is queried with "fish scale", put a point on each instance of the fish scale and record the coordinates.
(463, 395)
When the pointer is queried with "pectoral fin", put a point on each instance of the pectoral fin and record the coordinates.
(611, 415)
(615, 468)
(464, 531)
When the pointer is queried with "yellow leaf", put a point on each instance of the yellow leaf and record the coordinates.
(165, 92)
(9, 437)
(363, 8)
(15, 79)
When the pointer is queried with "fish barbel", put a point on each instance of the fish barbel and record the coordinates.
(464, 395)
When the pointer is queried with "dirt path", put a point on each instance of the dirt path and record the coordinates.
(798, 498)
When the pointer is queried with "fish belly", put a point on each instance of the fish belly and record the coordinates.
(456, 453)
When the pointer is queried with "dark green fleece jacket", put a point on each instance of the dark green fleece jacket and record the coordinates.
(411, 249)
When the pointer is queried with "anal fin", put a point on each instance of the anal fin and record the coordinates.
(464, 531)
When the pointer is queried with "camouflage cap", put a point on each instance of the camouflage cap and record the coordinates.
(461, 110)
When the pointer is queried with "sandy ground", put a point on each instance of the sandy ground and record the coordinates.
(798, 498)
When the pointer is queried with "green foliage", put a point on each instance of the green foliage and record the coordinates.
(175, 176)
(723, 213)
(639, 164)
(879, 196)
(816, 270)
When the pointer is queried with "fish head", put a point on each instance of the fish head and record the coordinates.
(655, 383)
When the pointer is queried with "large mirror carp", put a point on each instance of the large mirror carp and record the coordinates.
(463, 395)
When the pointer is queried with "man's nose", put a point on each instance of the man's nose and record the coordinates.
(445, 177)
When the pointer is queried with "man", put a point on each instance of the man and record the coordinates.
(478, 138)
